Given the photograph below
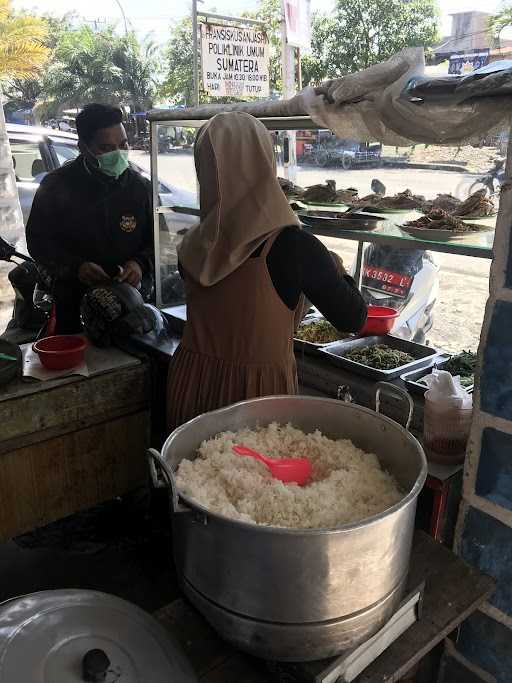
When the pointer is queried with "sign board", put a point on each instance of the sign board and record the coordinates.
(235, 61)
(464, 64)
(297, 14)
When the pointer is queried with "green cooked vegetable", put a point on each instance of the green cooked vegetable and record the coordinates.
(381, 357)
(462, 365)
(319, 332)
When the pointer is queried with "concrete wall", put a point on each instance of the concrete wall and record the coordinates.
(470, 31)
(484, 533)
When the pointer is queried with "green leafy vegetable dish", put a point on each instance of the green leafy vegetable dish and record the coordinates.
(381, 357)
(319, 332)
(462, 365)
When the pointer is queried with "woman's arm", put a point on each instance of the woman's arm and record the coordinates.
(299, 263)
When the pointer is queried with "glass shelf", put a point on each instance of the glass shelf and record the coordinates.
(388, 232)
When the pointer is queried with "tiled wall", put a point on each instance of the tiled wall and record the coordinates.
(484, 533)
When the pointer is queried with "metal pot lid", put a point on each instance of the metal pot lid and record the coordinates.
(71, 636)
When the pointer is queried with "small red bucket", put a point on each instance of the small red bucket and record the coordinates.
(61, 352)
(380, 321)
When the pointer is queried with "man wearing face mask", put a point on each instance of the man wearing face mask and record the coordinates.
(91, 219)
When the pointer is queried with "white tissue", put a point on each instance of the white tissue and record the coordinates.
(447, 390)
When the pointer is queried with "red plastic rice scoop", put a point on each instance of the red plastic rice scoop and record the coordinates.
(287, 470)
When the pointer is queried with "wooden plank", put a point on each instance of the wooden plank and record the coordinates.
(65, 408)
(50, 480)
(203, 647)
(99, 361)
(59, 430)
(453, 591)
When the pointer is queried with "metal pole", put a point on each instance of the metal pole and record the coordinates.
(288, 76)
(299, 68)
(194, 51)
(153, 133)
(358, 273)
(124, 17)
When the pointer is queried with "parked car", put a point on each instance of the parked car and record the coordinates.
(36, 151)
(329, 150)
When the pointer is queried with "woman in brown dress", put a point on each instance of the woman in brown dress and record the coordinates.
(247, 268)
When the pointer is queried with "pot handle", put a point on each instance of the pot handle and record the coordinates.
(162, 475)
(387, 387)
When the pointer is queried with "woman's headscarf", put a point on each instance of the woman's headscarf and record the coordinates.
(242, 203)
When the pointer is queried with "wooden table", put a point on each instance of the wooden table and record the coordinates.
(453, 590)
(68, 444)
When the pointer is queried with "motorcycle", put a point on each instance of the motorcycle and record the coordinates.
(34, 309)
(492, 181)
(404, 279)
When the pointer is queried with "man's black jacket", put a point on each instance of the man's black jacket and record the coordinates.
(80, 215)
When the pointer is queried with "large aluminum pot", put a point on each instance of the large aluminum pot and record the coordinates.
(289, 594)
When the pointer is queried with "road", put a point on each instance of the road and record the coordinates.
(178, 169)
(463, 281)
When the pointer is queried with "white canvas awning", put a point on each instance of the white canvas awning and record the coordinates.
(393, 102)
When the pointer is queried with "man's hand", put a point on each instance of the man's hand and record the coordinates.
(132, 274)
(91, 274)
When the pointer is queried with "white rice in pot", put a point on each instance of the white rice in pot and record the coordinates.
(347, 484)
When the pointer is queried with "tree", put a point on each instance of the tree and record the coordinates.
(178, 84)
(22, 47)
(270, 13)
(24, 92)
(139, 66)
(100, 66)
(501, 20)
(360, 33)
(83, 70)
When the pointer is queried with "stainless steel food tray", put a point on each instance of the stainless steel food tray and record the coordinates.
(411, 378)
(347, 221)
(424, 356)
(311, 347)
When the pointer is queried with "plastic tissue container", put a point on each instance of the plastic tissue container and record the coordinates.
(446, 419)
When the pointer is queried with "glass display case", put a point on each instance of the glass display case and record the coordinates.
(353, 166)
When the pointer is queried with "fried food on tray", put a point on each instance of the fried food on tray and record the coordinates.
(476, 205)
(347, 196)
(290, 189)
(320, 193)
(402, 200)
(437, 219)
(446, 202)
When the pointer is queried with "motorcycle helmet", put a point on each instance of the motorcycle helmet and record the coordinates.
(114, 312)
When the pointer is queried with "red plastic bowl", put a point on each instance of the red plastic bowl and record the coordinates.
(60, 352)
(380, 320)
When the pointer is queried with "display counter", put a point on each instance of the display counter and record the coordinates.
(438, 504)
(68, 444)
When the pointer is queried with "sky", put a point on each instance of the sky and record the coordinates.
(152, 16)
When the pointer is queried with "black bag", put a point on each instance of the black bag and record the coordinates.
(115, 311)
